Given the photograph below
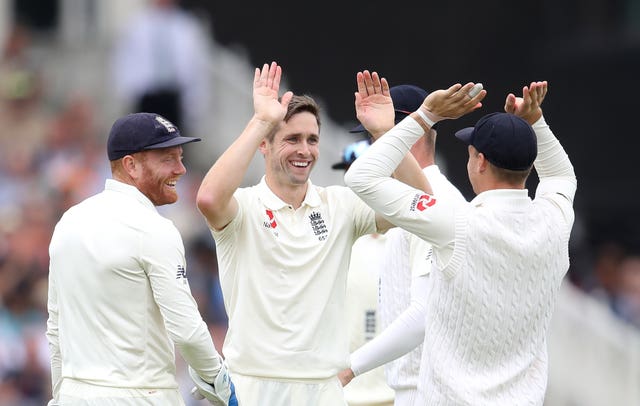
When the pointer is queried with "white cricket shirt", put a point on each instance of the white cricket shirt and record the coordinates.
(283, 273)
(119, 296)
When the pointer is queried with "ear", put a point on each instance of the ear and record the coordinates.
(483, 163)
(130, 166)
(263, 146)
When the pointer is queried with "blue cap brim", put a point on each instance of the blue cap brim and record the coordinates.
(465, 135)
(173, 142)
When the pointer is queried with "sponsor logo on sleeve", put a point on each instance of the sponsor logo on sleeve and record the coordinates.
(422, 202)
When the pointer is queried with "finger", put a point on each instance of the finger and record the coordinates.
(385, 87)
(256, 77)
(368, 83)
(277, 77)
(273, 69)
(360, 81)
(285, 99)
(510, 103)
(264, 73)
(375, 80)
(453, 89)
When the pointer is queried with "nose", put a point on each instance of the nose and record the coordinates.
(180, 168)
(303, 148)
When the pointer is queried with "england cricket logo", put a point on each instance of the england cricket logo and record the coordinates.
(422, 202)
(318, 226)
(166, 123)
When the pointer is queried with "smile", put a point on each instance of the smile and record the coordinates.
(300, 164)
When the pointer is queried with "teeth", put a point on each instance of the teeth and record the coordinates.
(300, 164)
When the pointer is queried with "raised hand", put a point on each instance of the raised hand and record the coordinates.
(452, 103)
(266, 84)
(527, 107)
(374, 107)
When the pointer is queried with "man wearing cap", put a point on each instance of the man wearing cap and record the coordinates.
(499, 259)
(119, 299)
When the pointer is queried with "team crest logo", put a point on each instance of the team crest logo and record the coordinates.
(166, 123)
(422, 202)
(318, 226)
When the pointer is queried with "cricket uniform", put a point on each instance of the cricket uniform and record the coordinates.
(499, 263)
(283, 273)
(403, 287)
(119, 301)
(363, 283)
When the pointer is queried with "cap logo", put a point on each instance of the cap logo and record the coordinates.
(166, 123)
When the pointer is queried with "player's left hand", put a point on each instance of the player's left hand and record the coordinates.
(220, 393)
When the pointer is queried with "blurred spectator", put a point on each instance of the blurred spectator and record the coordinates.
(627, 301)
(160, 64)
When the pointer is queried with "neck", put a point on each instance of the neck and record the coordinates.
(291, 194)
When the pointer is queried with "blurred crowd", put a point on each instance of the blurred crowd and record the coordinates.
(52, 155)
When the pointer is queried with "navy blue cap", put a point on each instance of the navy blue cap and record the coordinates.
(506, 140)
(351, 153)
(406, 100)
(143, 131)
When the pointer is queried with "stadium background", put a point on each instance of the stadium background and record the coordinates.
(589, 51)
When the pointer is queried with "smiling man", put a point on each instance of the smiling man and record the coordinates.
(283, 248)
(119, 299)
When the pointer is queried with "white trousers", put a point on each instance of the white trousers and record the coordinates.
(258, 391)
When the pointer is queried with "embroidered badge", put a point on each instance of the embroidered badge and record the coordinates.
(318, 226)
(166, 123)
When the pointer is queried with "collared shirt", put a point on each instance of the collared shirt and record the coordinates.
(119, 297)
(283, 273)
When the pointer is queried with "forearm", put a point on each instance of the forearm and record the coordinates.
(383, 157)
(552, 160)
(400, 337)
(200, 353)
(226, 175)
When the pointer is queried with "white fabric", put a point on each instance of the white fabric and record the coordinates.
(502, 258)
(363, 318)
(404, 290)
(283, 273)
(256, 391)
(119, 297)
(80, 394)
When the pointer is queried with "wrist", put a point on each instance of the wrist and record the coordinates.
(425, 118)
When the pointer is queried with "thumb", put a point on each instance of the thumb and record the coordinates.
(286, 98)
(196, 394)
(510, 103)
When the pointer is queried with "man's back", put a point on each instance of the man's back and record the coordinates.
(490, 307)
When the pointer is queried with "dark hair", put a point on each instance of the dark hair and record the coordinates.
(300, 104)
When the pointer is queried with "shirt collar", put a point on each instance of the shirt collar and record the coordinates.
(129, 190)
(273, 202)
(511, 197)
